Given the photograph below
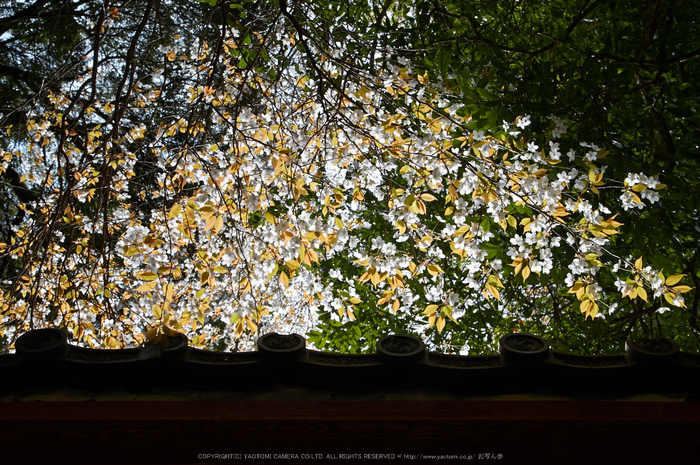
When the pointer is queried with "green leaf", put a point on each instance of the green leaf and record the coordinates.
(483, 93)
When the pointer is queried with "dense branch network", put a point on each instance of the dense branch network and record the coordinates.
(255, 175)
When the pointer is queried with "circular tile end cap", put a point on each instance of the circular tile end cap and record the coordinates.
(281, 347)
(42, 344)
(523, 348)
(177, 346)
(400, 349)
(661, 350)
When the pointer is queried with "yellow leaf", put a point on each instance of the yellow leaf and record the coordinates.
(376, 278)
(638, 264)
(493, 279)
(401, 225)
(434, 270)
(669, 297)
(157, 311)
(586, 306)
(593, 311)
(682, 289)
(526, 273)
(219, 224)
(147, 287)
(211, 222)
(220, 269)
(189, 212)
(420, 207)
(168, 290)
(251, 325)
(312, 255)
(641, 292)
(574, 289)
(494, 292)
(151, 334)
(354, 300)
(284, 278)
(428, 197)
(462, 230)
(430, 309)
(540, 172)
(293, 264)
(639, 187)
(175, 211)
(518, 264)
(441, 324)
(147, 276)
(675, 279)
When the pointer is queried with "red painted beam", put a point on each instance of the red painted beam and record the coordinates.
(320, 432)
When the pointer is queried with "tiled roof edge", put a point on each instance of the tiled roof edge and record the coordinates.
(525, 363)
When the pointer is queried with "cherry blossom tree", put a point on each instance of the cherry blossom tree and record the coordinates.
(229, 169)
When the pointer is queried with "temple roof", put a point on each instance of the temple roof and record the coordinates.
(525, 365)
(172, 403)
